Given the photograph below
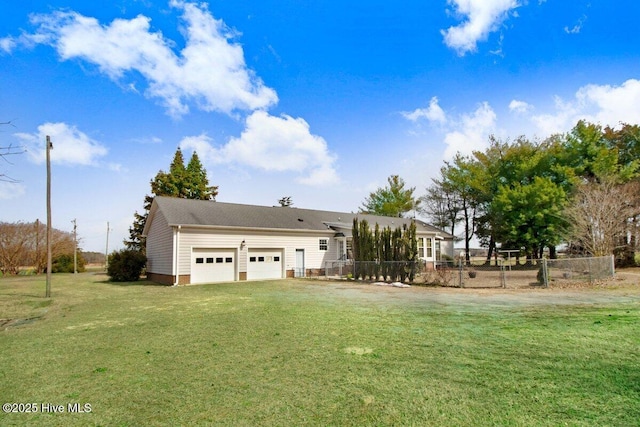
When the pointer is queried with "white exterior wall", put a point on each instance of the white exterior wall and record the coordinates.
(160, 246)
(289, 241)
(446, 246)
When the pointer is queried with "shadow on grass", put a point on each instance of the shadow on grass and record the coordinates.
(141, 282)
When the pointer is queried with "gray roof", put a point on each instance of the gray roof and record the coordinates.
(188, 212)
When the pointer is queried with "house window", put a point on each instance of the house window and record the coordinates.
(324, 244)
(228, 259)
(252, 259)
(209, 260)
(260, 259)
(219, 260)
(420, 247)
(199, 260)
(429, 248)
(276, 259)
(438, 251)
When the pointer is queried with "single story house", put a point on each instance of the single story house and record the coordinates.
(199, 241)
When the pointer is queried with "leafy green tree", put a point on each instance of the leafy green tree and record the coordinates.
(393, 200)
(608, 159)
(529, 215)
(626, 141)
(188, 182)
(600, 154)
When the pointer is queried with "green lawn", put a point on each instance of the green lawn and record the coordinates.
(298, 352)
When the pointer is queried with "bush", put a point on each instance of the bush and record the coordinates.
(64, 264)
(126, 265)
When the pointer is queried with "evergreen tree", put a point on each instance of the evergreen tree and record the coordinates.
(198, 184)
(188, 182)
(392, 200)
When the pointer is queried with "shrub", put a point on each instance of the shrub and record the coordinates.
(126, 265)
(64, 263)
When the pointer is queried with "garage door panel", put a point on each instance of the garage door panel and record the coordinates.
(213, 265)
(264, 264)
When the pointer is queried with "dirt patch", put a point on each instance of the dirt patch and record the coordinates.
(12, 323)
(624, 288)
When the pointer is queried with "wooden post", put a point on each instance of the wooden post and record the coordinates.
(48, 288)
(75, 247)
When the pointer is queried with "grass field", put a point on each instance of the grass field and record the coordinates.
(297, 352)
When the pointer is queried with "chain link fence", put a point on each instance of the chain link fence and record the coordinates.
(522, 273)
(497, 273)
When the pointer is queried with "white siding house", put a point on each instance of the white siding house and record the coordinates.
(197, 241)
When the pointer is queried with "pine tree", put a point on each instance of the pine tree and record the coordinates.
(189, 182)
(392, 200)
(198, 183)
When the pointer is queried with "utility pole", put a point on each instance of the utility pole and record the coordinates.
(106, 251)
(49, 148)
(75, 247)
(37, 246)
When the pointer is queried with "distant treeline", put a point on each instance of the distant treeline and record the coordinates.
(23, 246)
(93, 257)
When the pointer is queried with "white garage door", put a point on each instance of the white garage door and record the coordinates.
(264, 264)
(213, 265)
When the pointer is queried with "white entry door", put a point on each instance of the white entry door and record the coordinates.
(299, 272)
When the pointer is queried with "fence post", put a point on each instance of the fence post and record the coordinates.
(613, 265)
(460, 273)
(545, 272)
(503, 274)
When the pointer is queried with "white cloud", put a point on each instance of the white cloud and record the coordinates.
(275, 144)
(481, 17)
(519, 107)
(471, 132)
(602, 104)
(576, 28)
(11, 190)
(7, 44)
(433, 113)
(209, 72)
(463, 134)
(70, 146)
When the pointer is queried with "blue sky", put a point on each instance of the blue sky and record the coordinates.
(320, 101)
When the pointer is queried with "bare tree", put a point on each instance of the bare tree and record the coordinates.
(14, 246)
(6, 151)
(600, 215)
(23, 245)
(441, 205)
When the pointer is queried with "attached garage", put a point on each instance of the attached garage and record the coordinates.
(264, 264)
(213, 265)
(202, 241)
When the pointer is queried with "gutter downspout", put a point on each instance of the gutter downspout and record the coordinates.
(177, 257)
